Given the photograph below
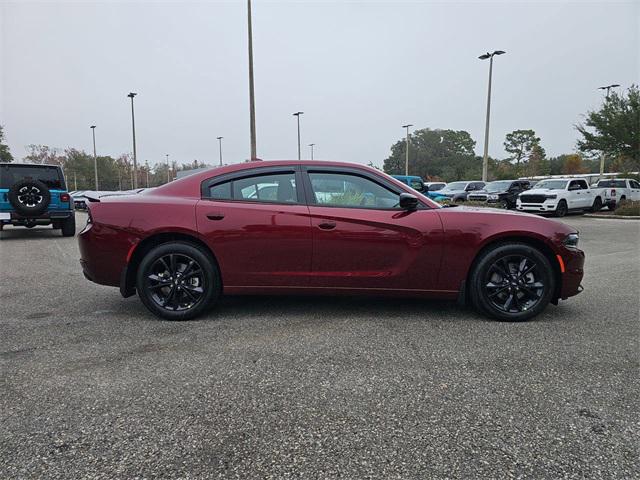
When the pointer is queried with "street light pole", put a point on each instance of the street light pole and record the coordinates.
(220, 144)
(146, 163)
(168, 169)
(311, 145)
(133, 126)
(297, 114)
(406, 158)
(252, 102)
(485, 157)
(95, 158)
(608, 88)
(603, 155)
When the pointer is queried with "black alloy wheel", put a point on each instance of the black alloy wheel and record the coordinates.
(512, 282)
(561, 209)
(177, 281)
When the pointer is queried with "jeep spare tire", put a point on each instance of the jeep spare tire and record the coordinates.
(29, 197)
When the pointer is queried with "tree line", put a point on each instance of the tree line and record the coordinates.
(613, 131)
(435, 154)
(113, 173)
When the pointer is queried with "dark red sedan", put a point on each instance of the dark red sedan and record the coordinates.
(321, 228)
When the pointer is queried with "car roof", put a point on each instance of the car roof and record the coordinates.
(23, 164)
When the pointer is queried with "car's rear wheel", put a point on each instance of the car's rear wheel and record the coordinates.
(512, 282)
(561, 209)
(177, 281)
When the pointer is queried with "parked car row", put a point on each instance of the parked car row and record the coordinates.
(557, 196)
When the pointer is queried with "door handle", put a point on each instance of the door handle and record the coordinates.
(215, 216)
(327, 225)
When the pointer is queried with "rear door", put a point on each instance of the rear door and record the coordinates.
(363, 240)
(257, 224)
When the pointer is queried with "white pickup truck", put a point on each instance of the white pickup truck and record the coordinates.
(617, 190)
(560, 196)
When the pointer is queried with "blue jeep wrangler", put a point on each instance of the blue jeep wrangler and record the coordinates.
(33, 195)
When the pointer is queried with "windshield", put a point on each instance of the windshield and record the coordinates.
(552, 184)
(611, 183)
(455, 186)
(50, 176)
(497, 186)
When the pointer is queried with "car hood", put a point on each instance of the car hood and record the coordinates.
(449, 192)
(485, 192)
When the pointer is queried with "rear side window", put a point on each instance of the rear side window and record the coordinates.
(276, 188)
(50, 176)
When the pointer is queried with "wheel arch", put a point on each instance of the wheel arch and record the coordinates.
(128, 278)
(537, 243)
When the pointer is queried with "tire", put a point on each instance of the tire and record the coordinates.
(68, 226)
(523, 294)
(29, 198)
(182, 302)
(622, 199)
(597, 205)
(561, 209)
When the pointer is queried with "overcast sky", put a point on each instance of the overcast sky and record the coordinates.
(359, 70)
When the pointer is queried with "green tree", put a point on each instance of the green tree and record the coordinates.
(519, 144)
(614, 129)
(538, 163)
(447, 154)
(5, 154)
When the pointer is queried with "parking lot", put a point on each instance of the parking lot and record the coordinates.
(93, 386)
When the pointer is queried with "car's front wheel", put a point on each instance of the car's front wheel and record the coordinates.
(177, 281)
(512, 282)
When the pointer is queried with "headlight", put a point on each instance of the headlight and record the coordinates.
(493, 197)
(572, 240)
(550, 197)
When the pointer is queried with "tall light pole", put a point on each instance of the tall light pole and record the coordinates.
(297, 114)
(133, 127)
(252, 101)
(602, 155)
(95, 158)
(220, 145)
(485, 157)
(146, 164)
(311, 145)
(608, 87)
(168, 169)
(406, 158)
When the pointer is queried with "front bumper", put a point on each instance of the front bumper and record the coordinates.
(571, 285)
(547, 206)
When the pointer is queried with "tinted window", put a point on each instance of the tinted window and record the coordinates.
(221, 191)
(583, 184)
(279, 188)
(416, 185)
(611, 183)
(50, 176)
(342, 189)
(634, 184)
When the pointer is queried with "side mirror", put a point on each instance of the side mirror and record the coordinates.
(408, 201)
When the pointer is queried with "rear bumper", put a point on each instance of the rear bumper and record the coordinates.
(44, 219)
(103, 253)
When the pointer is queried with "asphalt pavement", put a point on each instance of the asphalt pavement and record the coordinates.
(93, 386)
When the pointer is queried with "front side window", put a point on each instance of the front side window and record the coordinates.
(634, 184)
(276, 188)
(346, 190)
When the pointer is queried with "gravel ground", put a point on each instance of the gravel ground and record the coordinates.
(92, 386)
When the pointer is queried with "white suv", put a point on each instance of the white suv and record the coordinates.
(560, 196)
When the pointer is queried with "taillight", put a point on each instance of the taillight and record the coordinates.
(64, 197)
(613, 192)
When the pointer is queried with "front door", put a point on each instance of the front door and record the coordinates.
(258, 227)
(363, 240)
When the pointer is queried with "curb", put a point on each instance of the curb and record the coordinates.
(612, 217)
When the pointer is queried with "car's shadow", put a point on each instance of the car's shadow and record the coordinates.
(23, 233)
